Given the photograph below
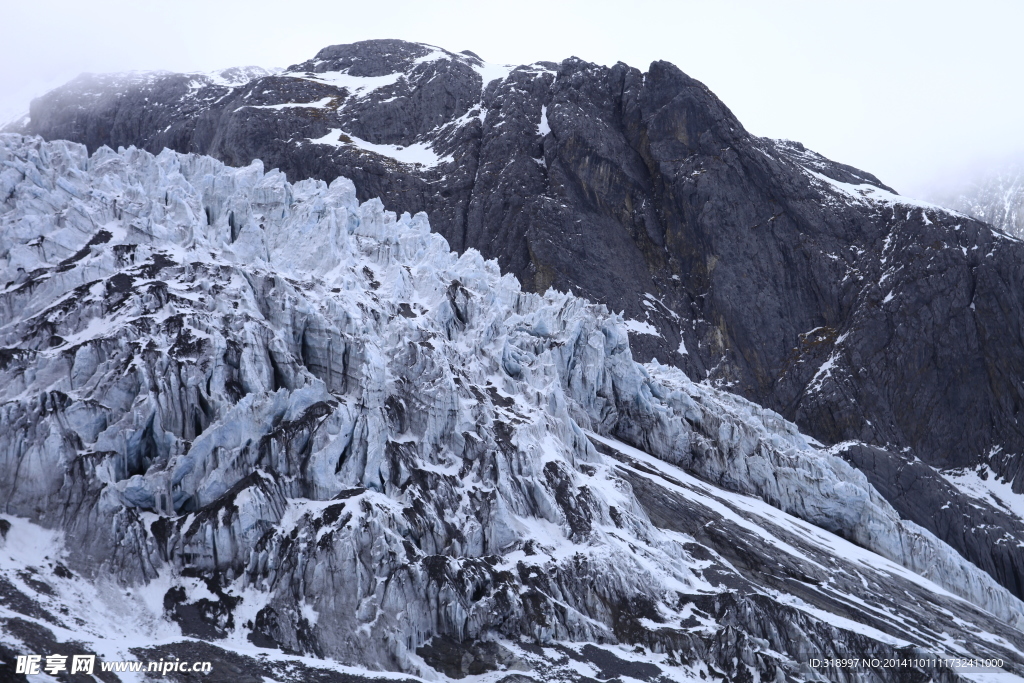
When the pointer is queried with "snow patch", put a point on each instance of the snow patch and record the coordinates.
(640, 327)
(319, 104)
(867, 193)
(492, 72)
(358, 86)
(418, 153)
(984, 484)
(543, 128)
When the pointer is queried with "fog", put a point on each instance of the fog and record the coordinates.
(914, 92)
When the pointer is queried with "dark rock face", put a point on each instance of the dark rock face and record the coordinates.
(802, 284)
(919, 494)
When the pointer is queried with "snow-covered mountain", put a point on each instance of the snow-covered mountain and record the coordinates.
(263, 424)
(742, 260)
(884, 326)
(996, 198)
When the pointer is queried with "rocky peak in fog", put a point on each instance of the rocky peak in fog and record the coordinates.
(996, 197)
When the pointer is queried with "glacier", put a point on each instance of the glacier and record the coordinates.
(302, 425)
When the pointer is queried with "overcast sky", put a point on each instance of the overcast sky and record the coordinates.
(913, 92)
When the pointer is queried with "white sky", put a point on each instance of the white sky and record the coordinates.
(912, 91)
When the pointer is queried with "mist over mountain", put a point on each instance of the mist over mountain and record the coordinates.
(384, 405)
(996, 197)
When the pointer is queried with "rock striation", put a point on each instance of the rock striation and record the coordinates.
(288, 422)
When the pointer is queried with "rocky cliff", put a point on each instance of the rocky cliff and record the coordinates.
(263, 424)
(804, 285)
